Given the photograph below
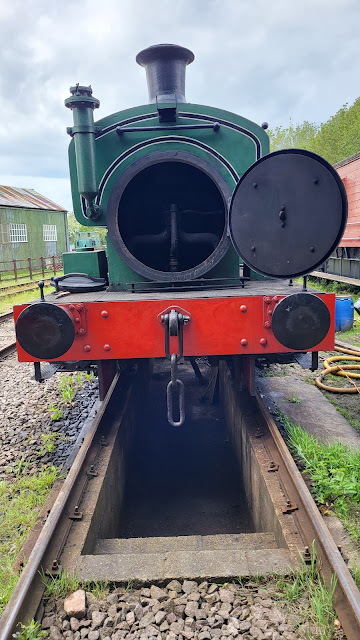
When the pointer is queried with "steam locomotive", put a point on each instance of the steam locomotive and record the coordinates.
(206, 232)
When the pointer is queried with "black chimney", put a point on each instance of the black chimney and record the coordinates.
(165, 66)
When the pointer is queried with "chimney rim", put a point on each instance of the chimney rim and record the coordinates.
(164, 51)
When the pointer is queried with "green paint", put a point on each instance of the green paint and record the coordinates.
(93, 263)
(115, 153)
(35, 247)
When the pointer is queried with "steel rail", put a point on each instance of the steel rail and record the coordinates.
(6, 316)
(10, 616)
(346, 594)
(9, 348)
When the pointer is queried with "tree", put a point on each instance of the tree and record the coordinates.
(74, 225)
(336, 139)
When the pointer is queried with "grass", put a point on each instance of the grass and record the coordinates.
(7, 302)
(69, 385)
(21, 499)
(331, 286)
(277, 372)
(30, 631)
(48, 442)
(353, 334)
(302, 586)
(303, 594)
(342, 289)
(307, 582)
(7, 280)
(334, 470)
(58, 587)
(56, 413)
(355, 422)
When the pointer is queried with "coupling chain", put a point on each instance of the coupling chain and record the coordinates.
(174, 323)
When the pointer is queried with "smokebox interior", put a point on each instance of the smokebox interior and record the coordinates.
(171, 216)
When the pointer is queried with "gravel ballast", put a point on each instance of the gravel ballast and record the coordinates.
(26, 418)
(180, 610)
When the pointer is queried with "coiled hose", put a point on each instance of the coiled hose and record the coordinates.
(341, 370)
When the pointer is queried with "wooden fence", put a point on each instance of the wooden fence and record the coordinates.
(30, 269)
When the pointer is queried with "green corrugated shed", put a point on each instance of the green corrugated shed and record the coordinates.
(31, 226)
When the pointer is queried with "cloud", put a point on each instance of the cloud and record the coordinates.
(266, 61)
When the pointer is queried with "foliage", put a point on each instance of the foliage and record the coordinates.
(56, 412)
(90, 377)
(355, 571)
(295, 400)
(74, 226)
(60, 586)
(348, 415)
(336, 139)
(30, 631)
(20, 466)
(48, 442)
(69, 385)
(300, 136)
(303, 593)
(67, 389)
(334, 470)
(307, 581)
(20, 502)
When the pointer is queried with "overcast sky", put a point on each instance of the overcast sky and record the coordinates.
(264, 59)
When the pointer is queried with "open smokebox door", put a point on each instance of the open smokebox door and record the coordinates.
(288, 213)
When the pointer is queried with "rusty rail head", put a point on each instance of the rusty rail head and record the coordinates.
(346, 594)
(12, 611)
(6, 316)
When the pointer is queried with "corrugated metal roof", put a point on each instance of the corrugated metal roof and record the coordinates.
(347, 160)
(16, 197)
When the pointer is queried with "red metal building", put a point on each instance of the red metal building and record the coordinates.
(349, 171)
(345, 261)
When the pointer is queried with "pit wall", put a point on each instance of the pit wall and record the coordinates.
(262, 489)
(107, 489)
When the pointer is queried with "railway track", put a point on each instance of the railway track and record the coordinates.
(7, 349)
(21, 288)
(81, 528)
(10, 346)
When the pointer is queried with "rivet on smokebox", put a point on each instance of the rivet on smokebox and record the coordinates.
(81, 331)
(243, 342)
(267, 323)
(87, 347)
(104, 314)
(243, 308)
(106, 347)
(263, 341)
(79, 307)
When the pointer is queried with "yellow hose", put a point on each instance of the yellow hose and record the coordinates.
(341, 370)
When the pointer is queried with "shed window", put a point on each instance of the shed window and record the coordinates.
(18, 232)
(4, 233)
(49, 232)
